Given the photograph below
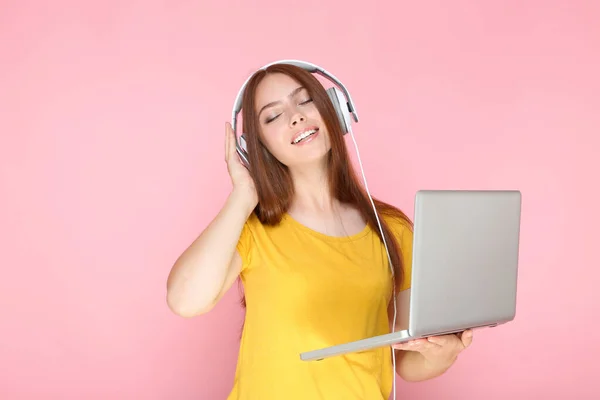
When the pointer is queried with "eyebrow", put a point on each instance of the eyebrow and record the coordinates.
(273, 103)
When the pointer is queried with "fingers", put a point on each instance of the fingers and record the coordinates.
(228, 132)
(416, 345)
(436, 341)
(436, 345)
(467, 338)
(440, 340)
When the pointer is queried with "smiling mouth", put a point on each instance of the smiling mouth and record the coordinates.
(305, 135)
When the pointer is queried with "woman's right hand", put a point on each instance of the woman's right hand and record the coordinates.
(240, 176)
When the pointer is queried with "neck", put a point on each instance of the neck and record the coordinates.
(312, 190)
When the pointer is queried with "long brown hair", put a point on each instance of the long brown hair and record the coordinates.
(274, 183)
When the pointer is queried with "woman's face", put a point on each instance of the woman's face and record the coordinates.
(291, 126)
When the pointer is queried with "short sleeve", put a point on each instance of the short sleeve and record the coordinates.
(244, 244)
(402, 231)
(406, 247)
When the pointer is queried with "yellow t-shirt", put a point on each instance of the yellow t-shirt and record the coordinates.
(304, 291)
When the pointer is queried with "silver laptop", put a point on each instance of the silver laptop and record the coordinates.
(464, 267)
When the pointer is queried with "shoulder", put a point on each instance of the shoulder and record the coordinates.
(253, 222)
(398, 222)
(247, 237)
(254, 231)
(256, 237)
(399, 225)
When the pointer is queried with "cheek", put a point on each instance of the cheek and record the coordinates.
(313, 113)
(273, 139)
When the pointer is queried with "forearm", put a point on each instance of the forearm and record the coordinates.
(412, 366)
(198, 275)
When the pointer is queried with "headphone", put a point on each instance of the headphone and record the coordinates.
(339, 96)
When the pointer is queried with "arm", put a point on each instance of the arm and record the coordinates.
(412, 366)
(424, 359)
(210, 265)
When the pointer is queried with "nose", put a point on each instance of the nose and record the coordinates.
(296, 118)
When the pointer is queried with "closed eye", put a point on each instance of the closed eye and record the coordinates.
(271, 119)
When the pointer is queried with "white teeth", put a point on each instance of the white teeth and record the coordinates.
(304, 135)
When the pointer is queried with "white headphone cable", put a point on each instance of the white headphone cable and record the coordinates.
(388, 254)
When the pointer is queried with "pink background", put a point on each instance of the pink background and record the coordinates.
(112, 123)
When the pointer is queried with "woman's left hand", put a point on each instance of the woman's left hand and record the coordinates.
(439, 350)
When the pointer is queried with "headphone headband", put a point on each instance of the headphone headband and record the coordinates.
(315, 69)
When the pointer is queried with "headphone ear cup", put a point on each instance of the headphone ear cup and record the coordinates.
(242, 150)
(341, 108)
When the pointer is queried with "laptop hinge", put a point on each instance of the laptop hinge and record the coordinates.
(460, 330)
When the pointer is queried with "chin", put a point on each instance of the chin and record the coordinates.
(309, 160)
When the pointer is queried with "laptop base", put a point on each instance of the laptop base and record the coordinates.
(359, 345)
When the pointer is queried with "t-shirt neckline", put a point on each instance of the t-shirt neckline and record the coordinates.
(323, 236)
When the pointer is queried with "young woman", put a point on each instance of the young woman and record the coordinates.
(299, 230)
